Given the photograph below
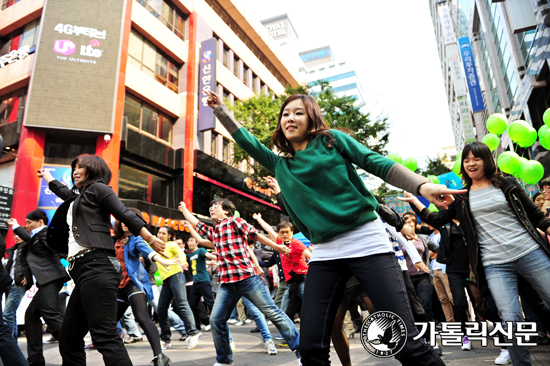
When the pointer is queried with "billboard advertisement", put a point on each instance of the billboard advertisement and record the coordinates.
(207, 82)
(74, 81)
(47, 200)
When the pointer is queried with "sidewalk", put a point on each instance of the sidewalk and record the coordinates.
(250, 351)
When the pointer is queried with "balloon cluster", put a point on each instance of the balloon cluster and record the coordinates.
(530, 171)
(409, 163)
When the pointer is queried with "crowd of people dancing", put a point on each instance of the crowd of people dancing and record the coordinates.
(487, 243)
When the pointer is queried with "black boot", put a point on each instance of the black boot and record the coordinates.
(161, 360)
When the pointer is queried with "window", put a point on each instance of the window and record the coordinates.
(30, 34)
(314, 55)
(139, 185)
(147, 119)
(144, 55)
(168, 14)
(63, 149)
(7, 3)
(24, 36)
(236, 66)
(245, 75)
(332, 66)
(312, 72)
(321, 69)
(225, 56)
(342, 63)
(213, 144)
(225, 152)
(321, 53)
(12, 106)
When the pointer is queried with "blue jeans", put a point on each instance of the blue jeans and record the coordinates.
(252, 289)
(174, 287)
(15, 296)
(258, 317)
(503, 283)
(10, 354)
(175, 320)
(294, 293)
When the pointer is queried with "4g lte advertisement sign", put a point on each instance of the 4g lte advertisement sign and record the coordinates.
(75, 75)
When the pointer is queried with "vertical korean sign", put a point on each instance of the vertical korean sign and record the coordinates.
(207, 82)
(466, 118)
(447, 27)
(471, 74)
(457, 74)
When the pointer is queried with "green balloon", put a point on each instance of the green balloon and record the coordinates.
(237, 214)
(492, 141)
(530, 139)
(497, 123)
(544, 137)
(411, 164)
(508, 162)
(518, 130)
(432, 207)
(521, 161)
(456, 167)
(531, 172)
(158, 279)
(546, 117)
(433, 178)
(396, 158)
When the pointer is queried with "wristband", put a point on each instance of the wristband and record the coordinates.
(153, 240)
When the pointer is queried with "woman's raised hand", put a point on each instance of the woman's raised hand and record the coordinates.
(213, 99)
(44, 173)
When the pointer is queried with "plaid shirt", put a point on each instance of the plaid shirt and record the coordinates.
(229, 236)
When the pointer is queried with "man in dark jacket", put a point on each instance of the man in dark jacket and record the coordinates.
(22, 281)
(50, 275)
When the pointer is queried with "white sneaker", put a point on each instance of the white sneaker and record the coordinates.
(466, 344)
(269, 322)
(503, 358)
(207, 328)
(232, 321)
(193, 340)
(239, 323)
(223, 364)
(232, 345)
(164, 345)
(270, 347)
(248, 321)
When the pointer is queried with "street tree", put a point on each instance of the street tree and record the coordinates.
(435, 166)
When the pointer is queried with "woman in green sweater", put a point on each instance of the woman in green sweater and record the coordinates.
(331, 206)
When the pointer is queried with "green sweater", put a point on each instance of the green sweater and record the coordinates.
(323, 193)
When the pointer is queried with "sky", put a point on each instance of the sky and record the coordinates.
(393, 47)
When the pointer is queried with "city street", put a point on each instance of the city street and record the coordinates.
(250, 351)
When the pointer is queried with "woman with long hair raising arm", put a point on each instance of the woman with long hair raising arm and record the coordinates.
(329, 203)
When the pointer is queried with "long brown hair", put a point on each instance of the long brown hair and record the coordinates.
(117, 228)
(96, 169)
(480, 150)
(317, 125)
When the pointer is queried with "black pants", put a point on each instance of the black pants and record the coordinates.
(457, 283)
(199, 289)
(381, 278)
(44, 304)
(93, 307)
(424, 290)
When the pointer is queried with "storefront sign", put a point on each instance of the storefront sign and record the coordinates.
(76, 72)
(471, 74)
(158, 221)
(207, 82)
(447, 27)
(252, 184)
(14, 56)
(6, 199)
(466, 119)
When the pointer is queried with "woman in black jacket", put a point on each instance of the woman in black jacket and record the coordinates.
(499, 222)
(80, 231)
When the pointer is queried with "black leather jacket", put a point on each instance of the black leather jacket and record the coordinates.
(525, 209)
(92, 211)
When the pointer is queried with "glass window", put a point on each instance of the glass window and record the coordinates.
(308, 57)
(173, 73)
(236, 66)
(312, 72)
(226, 57)
(314, 55)
(179, 25)
(213, 145)
(135, 48)
(327, 52)
(166, 128)
(245, 75)
(321, 53)
(149, 120)
(28, 38)
(167, 15)
(156, 6)
(62, 150)
(332, 66)
(132, 184)
(132, 110)
(162, 66)
(149, 56)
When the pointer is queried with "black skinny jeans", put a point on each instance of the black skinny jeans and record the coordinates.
(93, 307)
(381, 277)
(199, 289)
(424, 290)
(457, 283)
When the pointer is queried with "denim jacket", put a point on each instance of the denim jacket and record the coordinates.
(137, 273)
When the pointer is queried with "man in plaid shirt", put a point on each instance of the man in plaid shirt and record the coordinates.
(238, 275)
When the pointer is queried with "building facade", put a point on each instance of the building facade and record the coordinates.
(510, 47)
(124, 80)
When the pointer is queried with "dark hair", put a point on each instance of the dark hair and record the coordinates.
(38, 215)
(480, 150)
(545, 182)
(317, 125)
(170, 231)
(536, 195)
(285, 224)
(412, 215)
(117, 228)
(227, 205)
(96, 169)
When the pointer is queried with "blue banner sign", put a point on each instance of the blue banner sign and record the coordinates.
(207, 82)
(472, 80)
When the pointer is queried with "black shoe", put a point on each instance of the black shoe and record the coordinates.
(357, 329)
(184, 337)
(161, 360)
(52, 340)
(255, 330)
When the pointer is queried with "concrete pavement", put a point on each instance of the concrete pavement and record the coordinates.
(250, 351)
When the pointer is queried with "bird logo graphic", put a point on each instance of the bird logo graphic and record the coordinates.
(383, 334)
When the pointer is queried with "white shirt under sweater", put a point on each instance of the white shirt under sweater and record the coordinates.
(74, 247)
(502, 237)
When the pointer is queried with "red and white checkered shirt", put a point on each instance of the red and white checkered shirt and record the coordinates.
(229, 236)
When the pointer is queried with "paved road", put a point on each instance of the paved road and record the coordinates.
(250, 351)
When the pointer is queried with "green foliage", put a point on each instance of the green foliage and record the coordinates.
(259, 115)
(384, 190)
(435, 167)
